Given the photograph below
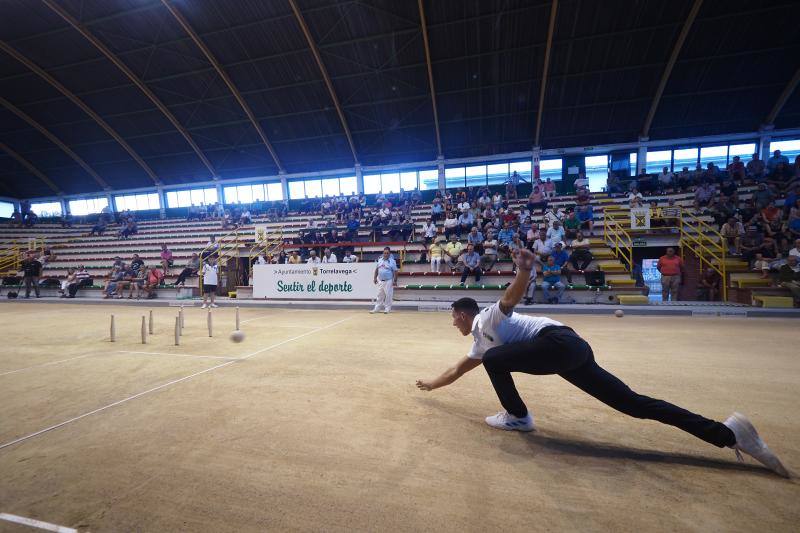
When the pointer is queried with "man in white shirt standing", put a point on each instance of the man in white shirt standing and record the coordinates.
(210, 279)
(507, 342)
(385, 277)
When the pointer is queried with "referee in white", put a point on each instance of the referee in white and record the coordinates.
(385, 277)
(506, 342)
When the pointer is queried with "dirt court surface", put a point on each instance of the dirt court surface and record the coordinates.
(322, 428)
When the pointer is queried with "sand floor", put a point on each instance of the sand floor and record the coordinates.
(322, 428)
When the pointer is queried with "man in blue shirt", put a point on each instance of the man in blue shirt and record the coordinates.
(776, 159)
(506, 342)
(471, 260)
(551, 274)
(560, 257)
(465, 222)
(385, 277)
(586, 216)
(352, 228)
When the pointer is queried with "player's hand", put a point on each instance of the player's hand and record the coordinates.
(524, 259)
(424, 385)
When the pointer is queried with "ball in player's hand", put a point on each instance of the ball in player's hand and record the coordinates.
(619, 313)
(237, 336)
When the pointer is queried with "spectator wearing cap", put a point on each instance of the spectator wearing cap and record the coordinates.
(672, 270)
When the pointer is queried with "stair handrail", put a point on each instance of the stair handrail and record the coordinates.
(700, 241)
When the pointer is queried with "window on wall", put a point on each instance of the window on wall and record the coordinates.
(789, 147)
(497, 173)
(47, 209)
(429, 179)
(6, 209)
(274, 192)
(390, 182)
(88, 206)
(551, 168)
(523, 169)
(476, 176)
(296, 190)
(634, 169)
(685, 157)
(744, 151)
(313, 188)
(192, 197)
(408, 181)
(318, 188)
(372, 183)
(714, 154)
(657, 160)
(348, 185)
(596, 171)
(454, 177)
(330, 187)
(137, 202)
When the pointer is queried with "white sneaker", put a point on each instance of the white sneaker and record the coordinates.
(385, 311)
(507, 421)
(748, 441)
(373, 311)
(203, 306)
(213, 305)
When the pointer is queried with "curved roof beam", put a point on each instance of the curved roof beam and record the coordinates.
(32, 169)
(676, 50)
(134, 78)
(430, 76)
(78, 102)
(55, 140)
(547, 50)
(783, 98)
(236, 94)
(325, 76)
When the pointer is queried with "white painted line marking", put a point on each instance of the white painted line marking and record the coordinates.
(36, 523)
(45, 364)
(169, 383)
(181, 355)
(257, 317)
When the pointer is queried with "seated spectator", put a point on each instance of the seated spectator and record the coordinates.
(665, 179)
(312, 258)
(586, 218)
(166, 258)
(489, 256)
(793, 224)
(328, 256)
(294, 258)
(571, 225)
(711, 174)
(99, 228)
(581, 182)
(465, 223)
(429, 231)
(134, 280)
(789, 277)
(111, 287)
(776, 159)
(736, 170)
(191, 269)
(471, 261)
(635, 198)
(560, 256)
(245, 218)
(536, 200)
(136, 263)
(153, 278)
(761, 266)
(436, 254)
(504, 238)
(16, 219)
(129, 229)
(732, 231)
(708, 285)
(452, 252)
(71, 279)
(450, 225)
(497, 201)
(580, 255)
(511, 190)
(683, 179)
(582, 197)
(703, 195)
(475, 238)
(549, 188)
(763, 196)
(556, 232)
(750, 243)
(551, 279)
(755, 169)
(541, 245)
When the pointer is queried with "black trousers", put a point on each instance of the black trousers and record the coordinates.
(471, 272)
(31, 281)
(559, 350)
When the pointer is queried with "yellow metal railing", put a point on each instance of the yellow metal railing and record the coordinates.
(618, 238)
(224, 247)
(265, 244)
(710, 252)
(12, 252)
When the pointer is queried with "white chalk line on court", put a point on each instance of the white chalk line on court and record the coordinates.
(47, 526)
(45, 364)
(180, 355)
(168, 384)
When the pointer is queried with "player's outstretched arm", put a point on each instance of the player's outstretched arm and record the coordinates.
(525, 261)
(464, 365)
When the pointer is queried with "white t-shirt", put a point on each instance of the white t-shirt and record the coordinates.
(493, 328)
(350, 259)
(795, 252)
(313, 261)
(210, 274)
(331, 259)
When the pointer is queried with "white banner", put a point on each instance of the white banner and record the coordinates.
(640, 218)
(329, 281)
